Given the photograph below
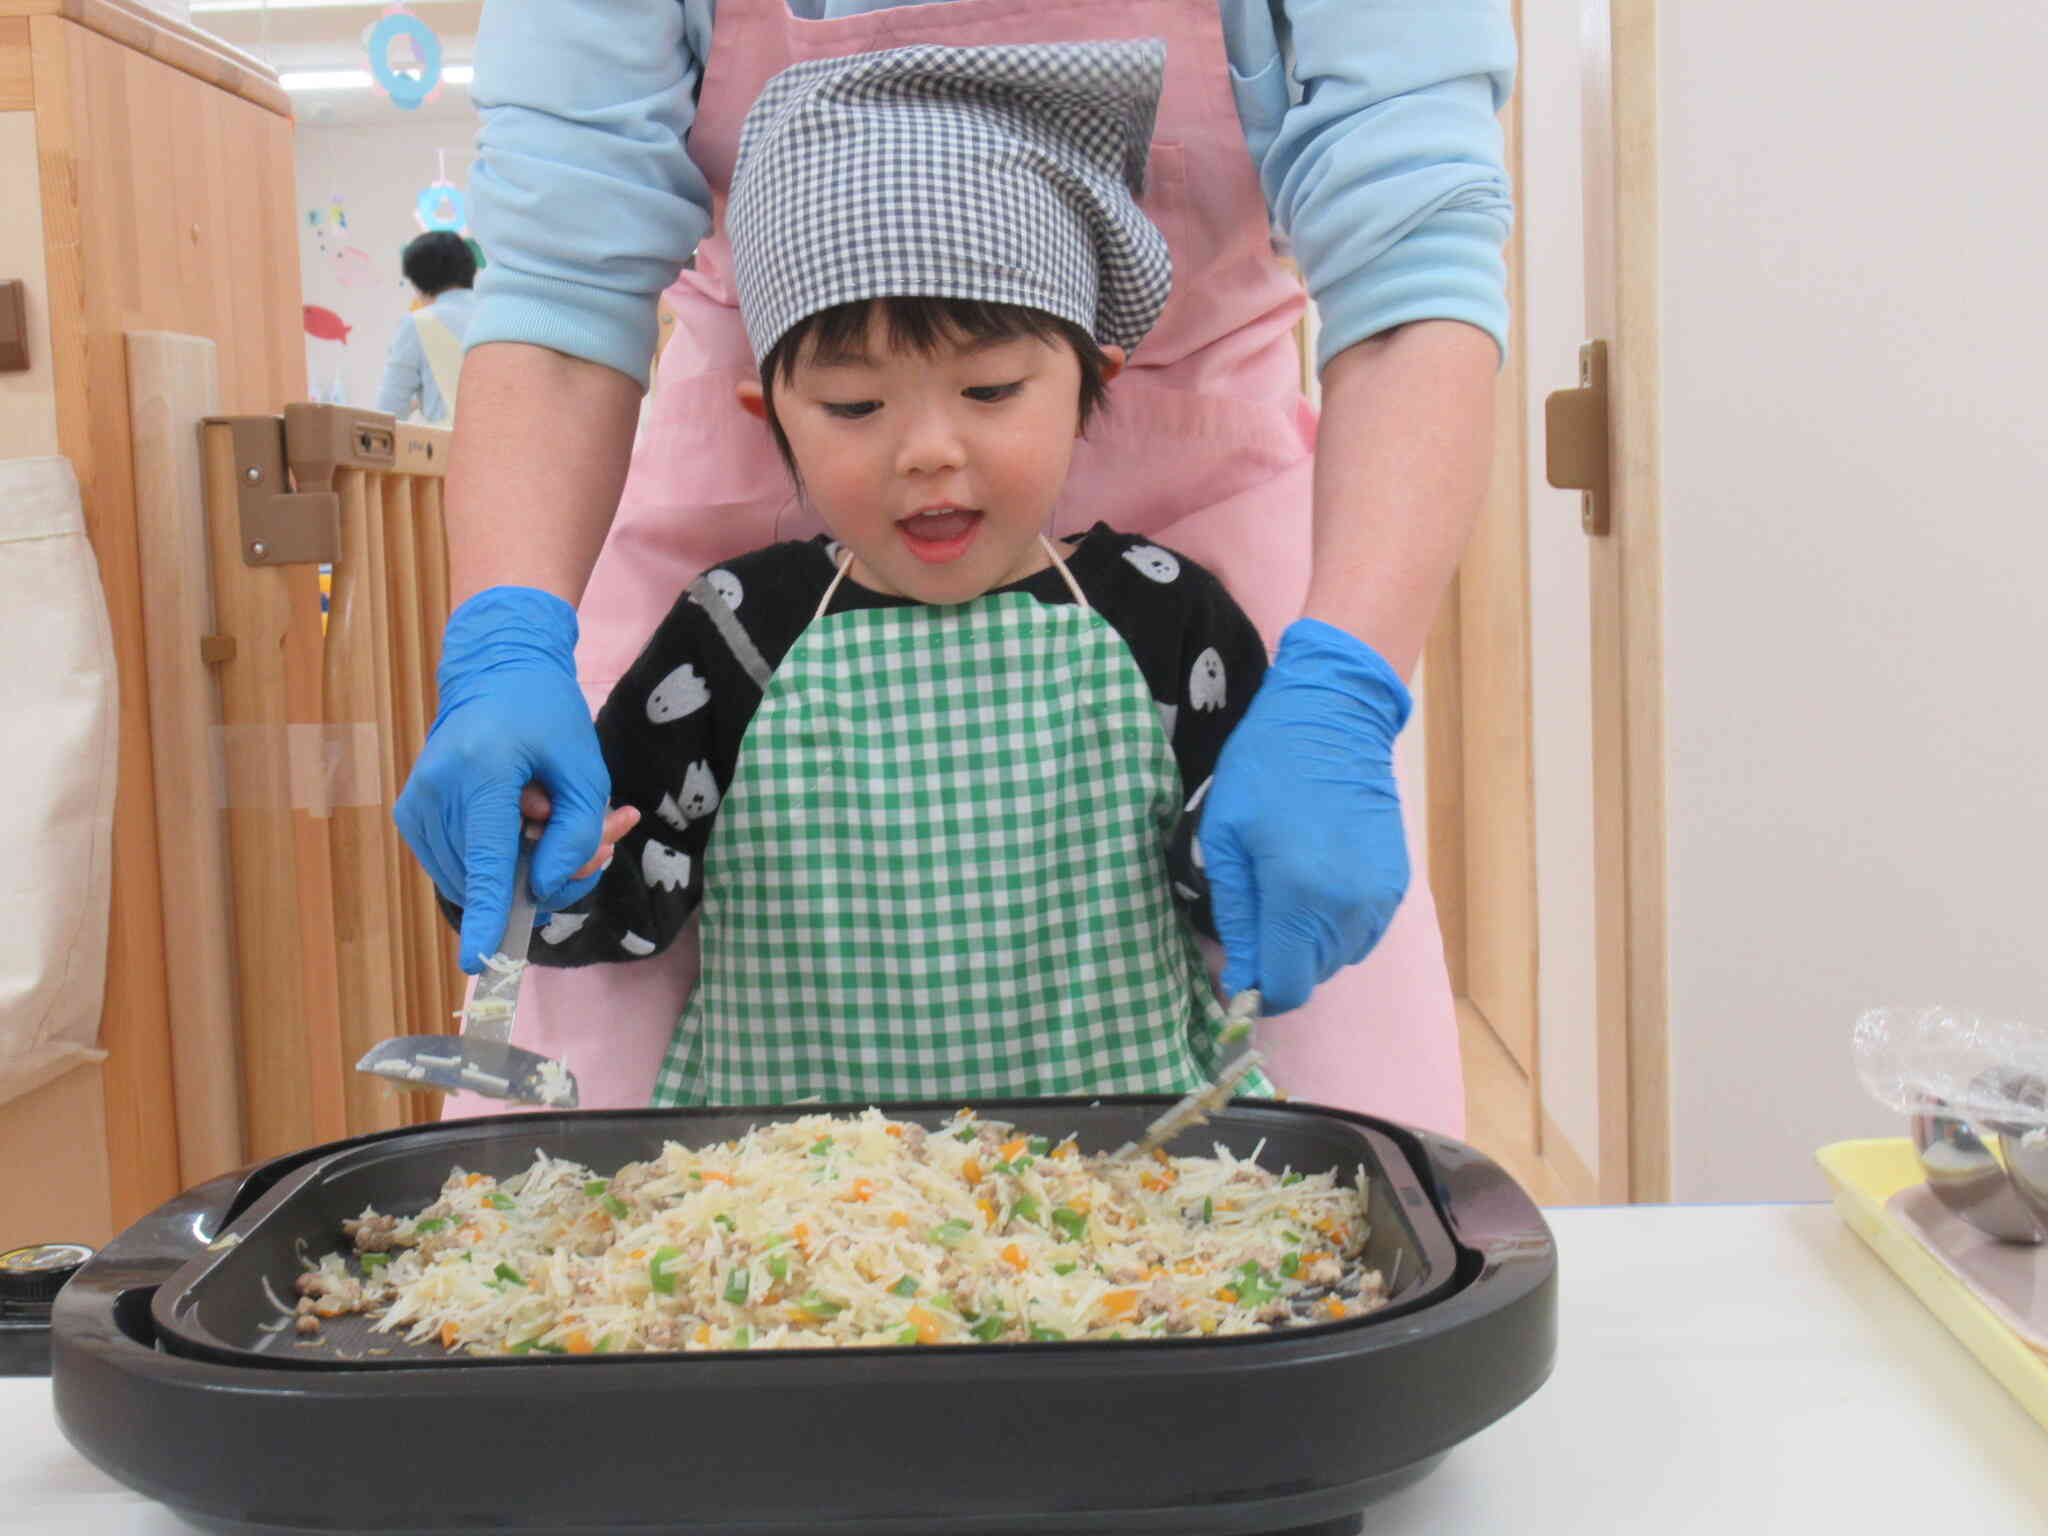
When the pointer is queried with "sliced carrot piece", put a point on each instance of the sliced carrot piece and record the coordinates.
(893, 1130)
(713, 1176)
(1013, 1256)
(449, 1334)
(926, 1322)
(1120, 1304)
(970, 1172)
(899, 1219)
(1014, 1148)
(863, 1190)
(988, 1209)
(579, 1343)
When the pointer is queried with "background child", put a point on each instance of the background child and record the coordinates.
(924, 777)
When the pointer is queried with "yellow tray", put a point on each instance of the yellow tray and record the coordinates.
(1865, 1175)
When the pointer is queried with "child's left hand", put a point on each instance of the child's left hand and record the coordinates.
(534, 805)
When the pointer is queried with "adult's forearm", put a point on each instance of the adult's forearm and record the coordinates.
(1402, 460)
(541, 448)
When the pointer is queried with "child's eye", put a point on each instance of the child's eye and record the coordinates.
(988, 394)
(852, 410)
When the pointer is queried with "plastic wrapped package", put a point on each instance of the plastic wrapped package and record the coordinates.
(57, 773)
(1944, 1061)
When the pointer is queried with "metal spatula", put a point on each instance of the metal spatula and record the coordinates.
(482, 1058)
(1239, 1058)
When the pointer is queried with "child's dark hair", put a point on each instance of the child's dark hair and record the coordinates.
(922, 323)
(438, 260)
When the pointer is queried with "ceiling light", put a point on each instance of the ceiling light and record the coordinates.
(357, 79)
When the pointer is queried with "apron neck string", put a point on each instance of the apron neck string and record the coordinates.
(1060, 565)
(846, 564)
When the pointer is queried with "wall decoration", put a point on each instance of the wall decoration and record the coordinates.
(405, 58)
(326, 325)
(441, 206)
(350, 264)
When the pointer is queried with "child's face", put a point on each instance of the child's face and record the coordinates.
(937, 470)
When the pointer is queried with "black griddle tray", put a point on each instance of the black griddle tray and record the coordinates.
(165, 1377)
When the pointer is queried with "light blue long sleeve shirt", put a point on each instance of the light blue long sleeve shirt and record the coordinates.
(1372, 124)
(407, 376)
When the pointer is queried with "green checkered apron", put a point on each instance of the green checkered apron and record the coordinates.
(940, 872)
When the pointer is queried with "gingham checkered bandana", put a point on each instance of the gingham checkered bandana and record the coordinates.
(1006, 174)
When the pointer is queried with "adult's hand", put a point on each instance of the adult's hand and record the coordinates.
(511, 713)
(1301, 831)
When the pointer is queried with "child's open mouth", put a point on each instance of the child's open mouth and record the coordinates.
(940, 535)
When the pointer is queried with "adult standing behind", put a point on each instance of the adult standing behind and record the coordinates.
(425, 359)
(1362, 131)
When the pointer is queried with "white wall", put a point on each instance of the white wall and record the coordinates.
(1854, 249)
(376, 171)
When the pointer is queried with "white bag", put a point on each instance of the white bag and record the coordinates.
(57, 773)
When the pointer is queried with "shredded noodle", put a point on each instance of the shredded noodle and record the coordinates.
(859, 1230)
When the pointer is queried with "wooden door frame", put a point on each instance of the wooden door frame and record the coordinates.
(1484, 625)
(1628, 602)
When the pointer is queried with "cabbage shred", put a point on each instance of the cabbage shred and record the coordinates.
(861, 1230)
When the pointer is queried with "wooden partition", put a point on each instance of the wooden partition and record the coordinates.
(336, 941)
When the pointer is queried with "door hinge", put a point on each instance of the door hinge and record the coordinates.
(1575, 440)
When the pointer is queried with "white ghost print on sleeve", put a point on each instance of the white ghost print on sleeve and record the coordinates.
(1169, 715)
(1150, 560)
(1205, 681)
(636, 946)
(727, 586)
(661, 865)
(562, 927)
(681, 693)
(697, 798)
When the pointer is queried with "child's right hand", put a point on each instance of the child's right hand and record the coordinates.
(534, 805)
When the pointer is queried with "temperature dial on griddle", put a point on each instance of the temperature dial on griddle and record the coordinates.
(30, 1277)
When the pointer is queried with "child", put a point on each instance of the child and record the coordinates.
(932, 781)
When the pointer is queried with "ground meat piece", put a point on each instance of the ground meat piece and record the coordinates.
(372, 1233)
(308, 1324)
(308, 1284)
(914, 1138)
(1323, 1272)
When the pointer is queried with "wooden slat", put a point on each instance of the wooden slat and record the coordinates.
(171, 388)
(365, 941)
(254, 607)
(17, 66)
(154, 35)
(433, 600)
(395, 854)
(410, 687)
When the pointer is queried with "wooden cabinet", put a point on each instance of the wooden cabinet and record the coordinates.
(146, 183)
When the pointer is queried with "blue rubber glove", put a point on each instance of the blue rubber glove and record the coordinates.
(1301, 830)
(511, 714)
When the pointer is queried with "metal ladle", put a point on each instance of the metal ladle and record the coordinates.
(2006, 1196)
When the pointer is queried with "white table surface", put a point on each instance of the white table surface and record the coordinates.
(1720, 1368)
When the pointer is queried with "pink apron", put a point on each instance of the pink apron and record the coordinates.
(1206, 446)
